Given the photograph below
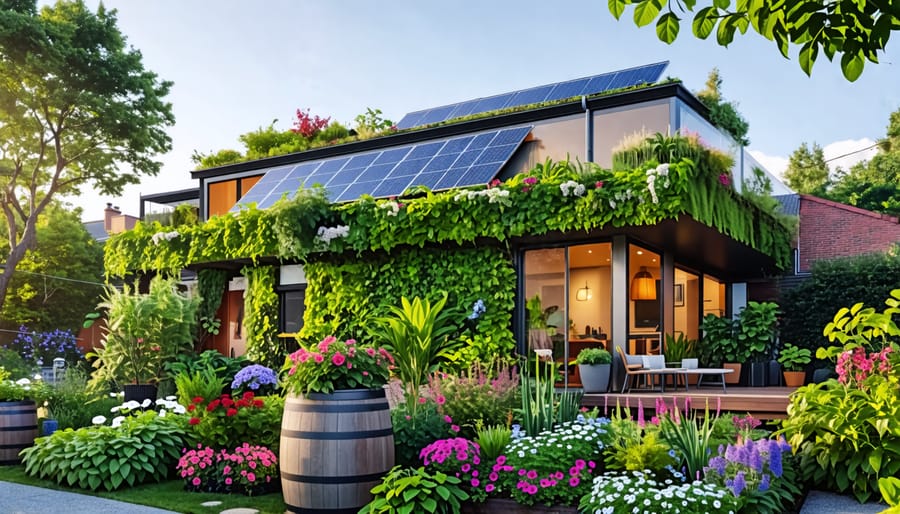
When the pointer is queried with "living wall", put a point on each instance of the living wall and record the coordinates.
(344, 293)
(261, 317)
(812, 305)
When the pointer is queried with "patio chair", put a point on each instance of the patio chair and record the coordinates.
(633, 367)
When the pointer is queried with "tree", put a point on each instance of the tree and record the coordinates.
(875, 184)
(55, 284)
(76, 105)
(807, 171)
(723, 114)
(854, 30)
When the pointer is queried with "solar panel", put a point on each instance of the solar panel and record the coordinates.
(442, 164)
(647, 74)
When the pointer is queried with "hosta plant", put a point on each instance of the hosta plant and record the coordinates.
(141, 449)
(415, 490)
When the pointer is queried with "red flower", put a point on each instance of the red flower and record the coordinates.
(227, 402)
(194, 421)
(197, 399)
(599, 184)
(241, 403)
(231, 412)
(212, 405)
(191, 407)
(257, 403)
(248, 395)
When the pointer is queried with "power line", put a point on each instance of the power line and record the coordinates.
(851, 153)
(56, 277)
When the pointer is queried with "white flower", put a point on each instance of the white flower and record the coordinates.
(115, 422)
(23, 382)
(179, 409)
(162, 413)
(171, 398)
(160, 236)
(131, 405)
(99, 420)
(113, 395)
(571, 188)
(391, 206)
(326, 234)
(115, 409)
(38, 376)
(146, 402)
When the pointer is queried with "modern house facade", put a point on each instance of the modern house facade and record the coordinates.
(609, 283)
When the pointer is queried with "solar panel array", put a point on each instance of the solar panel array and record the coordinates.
(647, 74)
(442, 164)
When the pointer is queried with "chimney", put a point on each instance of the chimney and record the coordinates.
(108, 214)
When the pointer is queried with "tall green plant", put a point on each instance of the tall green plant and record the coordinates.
(537, 394)
(689, 437)
(757, 329)
(418, 334)
(261, 318)
(144, 331)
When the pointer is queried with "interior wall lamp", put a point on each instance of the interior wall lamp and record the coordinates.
(643, 286)
(584, 293)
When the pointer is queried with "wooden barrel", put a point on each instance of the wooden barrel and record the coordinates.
(18, 428)
(334, 449)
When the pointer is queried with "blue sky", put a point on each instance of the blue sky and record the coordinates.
(239, 65)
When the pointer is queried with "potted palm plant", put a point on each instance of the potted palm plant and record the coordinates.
(593, 367)
(793, 359)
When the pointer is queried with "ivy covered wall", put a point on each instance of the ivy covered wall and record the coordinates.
(344, 293)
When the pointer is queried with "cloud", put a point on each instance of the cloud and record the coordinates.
(774, 163)
(847, 152)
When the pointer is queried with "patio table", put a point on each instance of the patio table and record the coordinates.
(702, 372)
(664, 374)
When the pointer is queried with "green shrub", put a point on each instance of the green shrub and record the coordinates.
(224, 367)
(635, 448)
(810, 306)
(143, 448)
(847, 431)
(481, 395)
(229, 422)
(203, 384)
(414, 430)
(492, 440)
(73, 405)
(592, 356)
(407, 490)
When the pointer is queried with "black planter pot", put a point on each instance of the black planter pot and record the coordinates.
(140, 392)
(759, 372)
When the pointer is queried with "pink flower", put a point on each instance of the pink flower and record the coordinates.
(251, 477)
(475, 482)
(227, 470)
(440, 400)
(422, 400)
(454, 428)
(448, 419)
(338, 359)
(196, 481)
(532, 474)
(501, 460)
(228, 481)
(489, 488)
(529, 181)
(574, 481)
(599, 184)
(318, 358)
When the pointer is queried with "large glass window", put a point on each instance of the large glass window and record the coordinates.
(686, 304)
(713, 296)
(612, 126)
(559, 139)
(568, 293)
(645, 299)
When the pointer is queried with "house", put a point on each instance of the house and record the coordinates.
(618, 261)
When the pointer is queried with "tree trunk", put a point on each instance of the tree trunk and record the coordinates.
(15, 256)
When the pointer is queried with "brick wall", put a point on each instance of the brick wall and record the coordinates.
(830, 229)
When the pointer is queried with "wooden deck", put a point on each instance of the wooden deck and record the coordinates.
(761, 402)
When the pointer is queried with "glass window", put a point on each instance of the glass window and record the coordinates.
(559, 139)
(612, 126)
(686, 302)
(644, 301)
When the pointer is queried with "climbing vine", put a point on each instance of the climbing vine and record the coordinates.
(261, 317)
(344, 294)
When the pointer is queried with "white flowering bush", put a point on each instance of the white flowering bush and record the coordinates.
(639, 492)
(493, 194)
(572, 188)
(326, 234)
(391, 207)
(553, 467)
(657, 176)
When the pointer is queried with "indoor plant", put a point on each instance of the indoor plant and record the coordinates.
(793, 359)
(337, 405)
(593, 367)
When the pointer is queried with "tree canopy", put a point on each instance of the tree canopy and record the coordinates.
(77, 108)
(807, 171)
(853, 30)
(55, 285)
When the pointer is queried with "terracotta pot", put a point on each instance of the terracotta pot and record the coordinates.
(732, 378)
(794, 378)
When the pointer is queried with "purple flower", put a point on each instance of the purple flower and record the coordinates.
(254, 376)
(740, 482)
(764, 483)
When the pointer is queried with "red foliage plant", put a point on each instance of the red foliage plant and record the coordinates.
(309, 125)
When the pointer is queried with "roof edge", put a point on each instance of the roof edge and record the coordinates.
(850, 208)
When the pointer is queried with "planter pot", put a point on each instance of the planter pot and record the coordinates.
(794, 378)
(48, 426)
(732, 378)
(507, 506)
(759, 371)
(18, 428)
(334, 449)
(140, 392)
(594, 377)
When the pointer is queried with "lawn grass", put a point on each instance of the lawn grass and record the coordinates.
(168, 495)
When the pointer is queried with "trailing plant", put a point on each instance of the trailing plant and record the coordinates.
(408, 490)
(141, 449)
(261, 317)
(211, 285)
(623, 198)
(143, 332)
